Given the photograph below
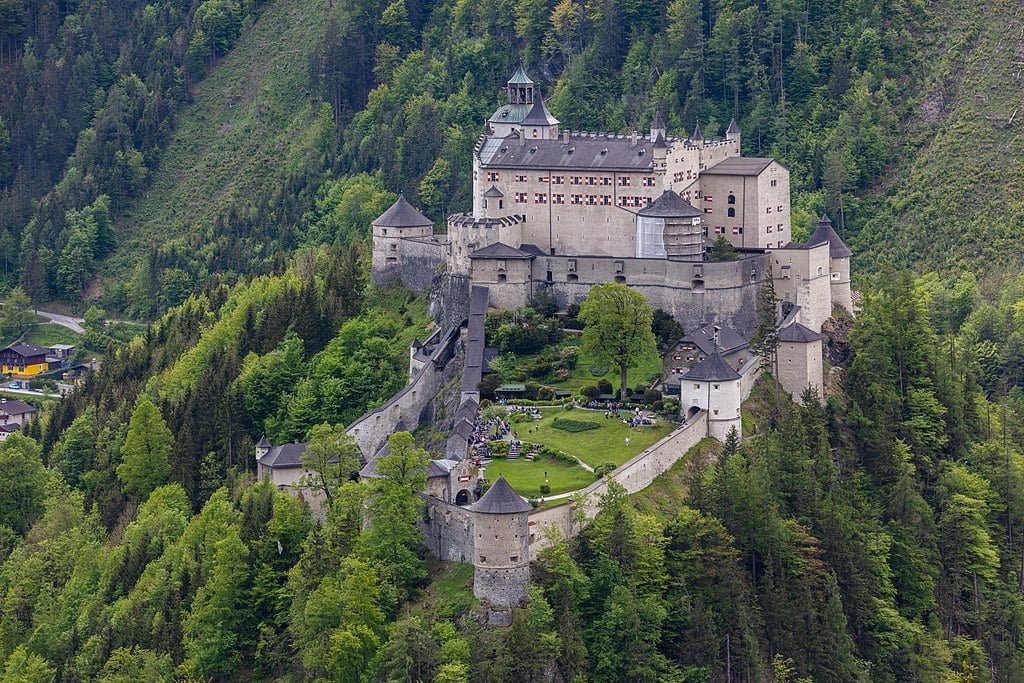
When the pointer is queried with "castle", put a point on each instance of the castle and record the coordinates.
(565, 210)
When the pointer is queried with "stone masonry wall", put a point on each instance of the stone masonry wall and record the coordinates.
(634, 475)
(449, 531)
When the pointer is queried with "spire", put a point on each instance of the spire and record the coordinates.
(825, 233)
(520, 87)
(696, 133)
(263, 443)
(539, 114)
(733, 131)
(658, 130)
(520, 77)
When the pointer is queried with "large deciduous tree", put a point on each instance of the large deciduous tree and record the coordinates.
(147, 452)
(23, 484)
(618, 328)
(331, 457)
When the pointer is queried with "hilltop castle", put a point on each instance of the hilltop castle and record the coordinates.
(565, 210)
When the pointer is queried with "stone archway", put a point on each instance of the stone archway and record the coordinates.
(691, 412)
(463, 497)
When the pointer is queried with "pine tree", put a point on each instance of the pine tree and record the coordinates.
(146, 452)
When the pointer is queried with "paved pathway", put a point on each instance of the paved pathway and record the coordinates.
(73, 324)
(27, 392)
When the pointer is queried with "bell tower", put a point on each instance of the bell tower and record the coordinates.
(520, 88)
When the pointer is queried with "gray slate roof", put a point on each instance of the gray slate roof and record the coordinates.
(729, 340)
(697, 135)
(825, 233)
(440, 468)
(402, 214)
(739, 166)
(501, 499)
(500, 250)
(263, 443)
(27, 350)
(795, 332)
(658, 123)
(711, 369)
(12, 407)
(733, 128)
(494, 192)
(671, 205)
(287, 456)
(582, 152)
(539, 114)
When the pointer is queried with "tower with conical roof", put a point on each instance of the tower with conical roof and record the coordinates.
(501, 552)
(713, 385)
(391, 230)
(733, 133)
(670, 227)
(839, 262)
(800, 360)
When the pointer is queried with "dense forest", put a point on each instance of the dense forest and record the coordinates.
(875, 536)
(98, 131)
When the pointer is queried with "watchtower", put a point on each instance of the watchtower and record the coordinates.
(501, 554)
(670, 228)
(398, 223)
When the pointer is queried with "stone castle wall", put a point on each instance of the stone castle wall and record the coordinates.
(412, 260)
(449, 531)
(406, 408)
(635, 475)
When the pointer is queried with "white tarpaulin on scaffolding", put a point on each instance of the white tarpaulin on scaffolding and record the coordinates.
(650, 241)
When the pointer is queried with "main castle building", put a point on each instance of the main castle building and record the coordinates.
(566, 210)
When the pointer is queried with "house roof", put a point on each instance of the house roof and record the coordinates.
(588, 151)
(733, 128)
(825, 233)
(27, 350)
(500, 250)
(263, 443)
(501, 499)
(711, 369)
(494, 192)
(440, 468)
(531, 249)
(13, 407)
(729, 340)
(670, 204)
(511, 113)
(287, 456)
(539, 114)
(9, 429)
(739, 166)
(795, 332)
(62, 347)
(402, 214)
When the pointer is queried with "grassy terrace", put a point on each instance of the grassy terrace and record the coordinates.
(582, 374)
(607, 443)
(527, 476)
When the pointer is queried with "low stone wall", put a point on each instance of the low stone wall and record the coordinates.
(404, 410)
(421, 259)
(635, 475)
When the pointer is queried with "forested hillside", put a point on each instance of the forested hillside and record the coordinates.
(895, 117)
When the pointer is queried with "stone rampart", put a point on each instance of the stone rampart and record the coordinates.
(635, 475)
(448, 531)
(421, 259)
(404, 410)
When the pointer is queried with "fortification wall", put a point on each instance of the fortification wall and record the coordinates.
(449, 531)
(449, 299)
(420, 261)
(371, 431)
(635, 475)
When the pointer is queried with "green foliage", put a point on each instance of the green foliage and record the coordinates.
(331, 458)
(18, 314)
(522, 332)
(722, 250)
(23, 485)
(568, 425)
(146, 451)
(618, 328)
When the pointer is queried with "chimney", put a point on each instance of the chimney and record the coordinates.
(632, 138)
(714, 337)
(565, 136)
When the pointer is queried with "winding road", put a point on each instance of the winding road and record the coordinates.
(73, 324)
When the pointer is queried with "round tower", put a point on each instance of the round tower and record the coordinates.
(670, 227)
(501, 553)
(839, 262)
(398, 223)
(713, 385)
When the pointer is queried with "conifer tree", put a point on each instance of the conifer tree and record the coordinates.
(146, 452)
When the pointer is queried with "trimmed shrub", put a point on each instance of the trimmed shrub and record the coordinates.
(604, 386)
(590, 392)
(652, 395)
(573, 426)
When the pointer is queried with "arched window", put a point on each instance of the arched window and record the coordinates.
(732, 212)
(732, 199)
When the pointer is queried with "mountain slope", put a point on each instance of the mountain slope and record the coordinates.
(957, 198)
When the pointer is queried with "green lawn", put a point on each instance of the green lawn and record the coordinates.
(48, 334)
(594, 446)
(526, 476)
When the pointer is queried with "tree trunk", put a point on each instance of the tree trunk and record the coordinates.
(622, 382)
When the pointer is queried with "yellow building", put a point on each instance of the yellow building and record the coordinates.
(23, 360)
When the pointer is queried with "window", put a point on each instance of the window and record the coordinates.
(501, 203)
(769, 228)
(773, 183)
(820, 271)
(768, 209)
(591, 180)
(606, 181)
(606, 200)
(492, 176)
(575, 199)
(520, 179)
(708, 198)
(483, 558)
(732, 212)
(502, 277)
(696, 386)
(572, 277)
(558, 199)
(558, 180)
(737, 231)
(715, 387)
(540, 198)
(572, 265)
(624, 181)
(715, 412)
(591, 200)
(513, 558)
(520, 197)
(779, 209)
(648, 181)
(709, 210)
(835, 276)
(780, 227)
(731, 199)
(542, 179)
(576, 180)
